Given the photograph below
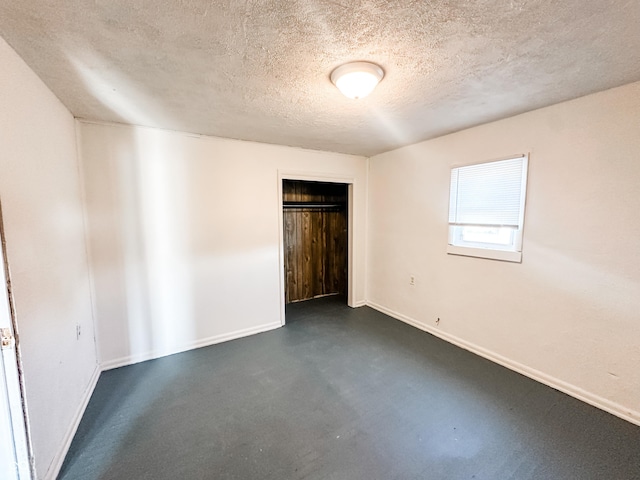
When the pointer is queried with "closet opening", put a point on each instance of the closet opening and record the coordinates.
(315, 240)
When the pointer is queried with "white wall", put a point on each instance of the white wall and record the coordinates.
(43, 215)
(185, 245)
(185, 235)
(569, 315)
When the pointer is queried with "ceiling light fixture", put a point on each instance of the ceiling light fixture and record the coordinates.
(357, 79)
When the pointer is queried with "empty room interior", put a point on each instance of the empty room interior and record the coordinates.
(225, 261)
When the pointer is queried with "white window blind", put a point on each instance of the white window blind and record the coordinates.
(488, 194)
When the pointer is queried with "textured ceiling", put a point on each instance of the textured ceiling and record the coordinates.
(259, 69)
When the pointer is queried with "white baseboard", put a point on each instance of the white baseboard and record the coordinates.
(560, 385)
(205, 342)
(56, 464)
(58, 460)
(359, 304)
(576, 392)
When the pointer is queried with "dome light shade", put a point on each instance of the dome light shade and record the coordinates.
(357, 79)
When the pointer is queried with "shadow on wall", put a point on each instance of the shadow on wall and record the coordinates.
(153, 216)
(151, 213)
(184, 241)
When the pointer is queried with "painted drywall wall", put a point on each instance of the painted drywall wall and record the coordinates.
(44, 224)
(185, 235)
(569, 314)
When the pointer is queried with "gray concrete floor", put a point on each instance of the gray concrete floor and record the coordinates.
(341, 393)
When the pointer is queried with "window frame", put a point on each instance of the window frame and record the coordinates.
(511, 253)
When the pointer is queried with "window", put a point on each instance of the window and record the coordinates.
(486, 209)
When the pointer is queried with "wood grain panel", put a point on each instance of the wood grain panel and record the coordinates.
(315, 240)
(305, 247)
(291, 280)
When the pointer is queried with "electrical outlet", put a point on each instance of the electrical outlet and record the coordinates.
(78, 331)
(412, 280)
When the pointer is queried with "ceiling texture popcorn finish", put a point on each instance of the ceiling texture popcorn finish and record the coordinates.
(259, 70)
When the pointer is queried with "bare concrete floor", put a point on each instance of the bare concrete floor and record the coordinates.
(341, 394)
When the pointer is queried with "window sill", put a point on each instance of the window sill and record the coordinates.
(501, 255)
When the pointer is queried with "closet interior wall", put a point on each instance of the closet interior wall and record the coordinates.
(315, 239)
